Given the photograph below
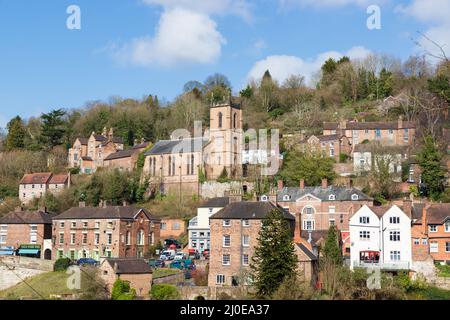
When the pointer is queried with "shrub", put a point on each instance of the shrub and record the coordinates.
(223, 178)
(61, 264)
(122, 291)
(343, 157)
(164, 292)
(200, 278)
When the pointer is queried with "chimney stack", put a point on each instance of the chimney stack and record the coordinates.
(302, 184)
(82, 204)
(19, 209)
(125, 203)
(424, 220)
(400, 122)
(298, 228)
(407, 207)
(324, 183)
(280, 185)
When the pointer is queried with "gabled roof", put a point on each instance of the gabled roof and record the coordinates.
(141, 145)
(83, 141)
(307, 252)
(27, 217)
(129, 266)
(219, 202)
(323, 138)
(121, 154)
(317, 236)
(340, 193)
(36, 178)
(369, 147)
(113, 212)
(99, 137)
(354, 125)
(249, 210)
(177, 146)
(438, 213)
(59, 178)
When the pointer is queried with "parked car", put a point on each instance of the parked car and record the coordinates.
(180, 256)
(87, 262)
(193, 253)
(206, 253)
(154, 263)
(167, 255)
(189, 264)
(177, 264)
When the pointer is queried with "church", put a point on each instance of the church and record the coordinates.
(180, 164)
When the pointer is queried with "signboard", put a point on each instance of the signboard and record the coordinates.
(30, 246)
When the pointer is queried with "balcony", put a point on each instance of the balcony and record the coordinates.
(399, 265)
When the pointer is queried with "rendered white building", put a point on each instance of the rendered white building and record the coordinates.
(380, 237)
(198, 228)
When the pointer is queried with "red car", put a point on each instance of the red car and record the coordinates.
(206, 253)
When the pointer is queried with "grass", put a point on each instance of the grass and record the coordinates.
(159, 273)
(44, 285)
(430, 293)
(443, 270)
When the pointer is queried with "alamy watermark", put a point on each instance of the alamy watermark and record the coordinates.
(374, 20)
(73, 22)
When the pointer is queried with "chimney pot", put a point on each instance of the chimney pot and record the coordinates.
(324, 183)
(82, 204)
(280, 185)
(302, 183)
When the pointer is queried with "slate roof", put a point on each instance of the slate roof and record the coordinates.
(416, 211)
(368, 147)
(141, 145)
(219, 202)
(353, 125)
(308, 252)
(177, 146)
(83, 141)
(323, 138)
(113, 212)
(99, 137)
(249, 210)
(27, 217)
(36, 178)
(59, 178)
(120, 154)
(341, 193)
(129, 266)
(86, 158)
(438, 213)
(316, 236)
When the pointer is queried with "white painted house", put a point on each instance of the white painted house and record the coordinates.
(199, 229)
(380, 236)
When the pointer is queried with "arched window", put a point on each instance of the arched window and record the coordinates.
(355, 196)
(154, 166)
(128, 238)
(192, 164)
(173, 165)
(170, 165)
(308, 210)
(220, 119)
(332, 197)
(151, 164)
(264, 198)
(140, 238)
(286, 197)
(188, 168)
(235, 120)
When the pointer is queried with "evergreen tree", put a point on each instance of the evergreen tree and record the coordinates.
(16, 134)
(433, 175)
(331, 250)
(52, 128)
(386, 83)
(274, 259)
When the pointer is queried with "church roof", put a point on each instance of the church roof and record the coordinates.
(177, 146)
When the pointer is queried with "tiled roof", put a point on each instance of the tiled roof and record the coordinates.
(99, 137)
(129, 266)
(177, 146)
(120, 154)
(354, 125)
(249, 210)
(416, 211)
(113, 212)
(307, 252)
(86, 158)
(36, 178)
(141, 145)
(368, 147)
(220, 202)
(340, 193)
(83, 141)
(59, 178)
(27, 217)
(316, 236)
(438, 213)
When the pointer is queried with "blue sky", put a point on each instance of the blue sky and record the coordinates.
(132, 48)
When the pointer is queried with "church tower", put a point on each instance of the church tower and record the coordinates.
(225, 147)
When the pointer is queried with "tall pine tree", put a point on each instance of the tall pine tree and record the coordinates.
(52, 128)
(274, 259)
(16, 134)
(331, 250)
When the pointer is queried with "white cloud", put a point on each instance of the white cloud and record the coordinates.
(182, 36)
(329, 3)
(283, 66)
(436, 15)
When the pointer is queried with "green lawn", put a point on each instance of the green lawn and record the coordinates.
(159, 273)
(430, 293)
(44, 285)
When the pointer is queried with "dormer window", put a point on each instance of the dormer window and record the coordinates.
(264, 198)
(355, 196)
(332, 197)
(286, 197)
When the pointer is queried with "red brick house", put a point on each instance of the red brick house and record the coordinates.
(327, 145)
(36, 185)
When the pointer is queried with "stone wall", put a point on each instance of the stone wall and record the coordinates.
(171, 279)
(27, 263)
(212, 189)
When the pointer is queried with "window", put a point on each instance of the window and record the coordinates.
(355, 197)
(264, 198)
(3, 238)
(308, 210)
(394, 235)
(308, 224)
(220, 120)
(60, 254)
(447, 246)
(364, 220)
(84, 238)
(4, 228)
(220, 279)
(72, 238)
(391, 131)
(97, 225)
(110, 224)
(163, 226)
(331, 209)
(176, 226)
(416, 241)
(286, 197)
(405, 135)
(395, 255)
(394, 220)
(447, 226)
(377, 133)
(434, 247)
(194, 234)
(140, 238)
(226, 223)
(332, 197)
(226, 260)
(331, 222)
(245, 259)
(364, 235)
(424, 241)
(128, 238)
(246, 240)
(61, 225)
(234, 120)
(432, 228)
(61, 238)
(109, 238)
(97, 238)
(246, 223)
(226, 240)
(85, 224)
(72, 254)
(331, 150)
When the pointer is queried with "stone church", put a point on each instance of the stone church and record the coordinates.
(177, 165)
